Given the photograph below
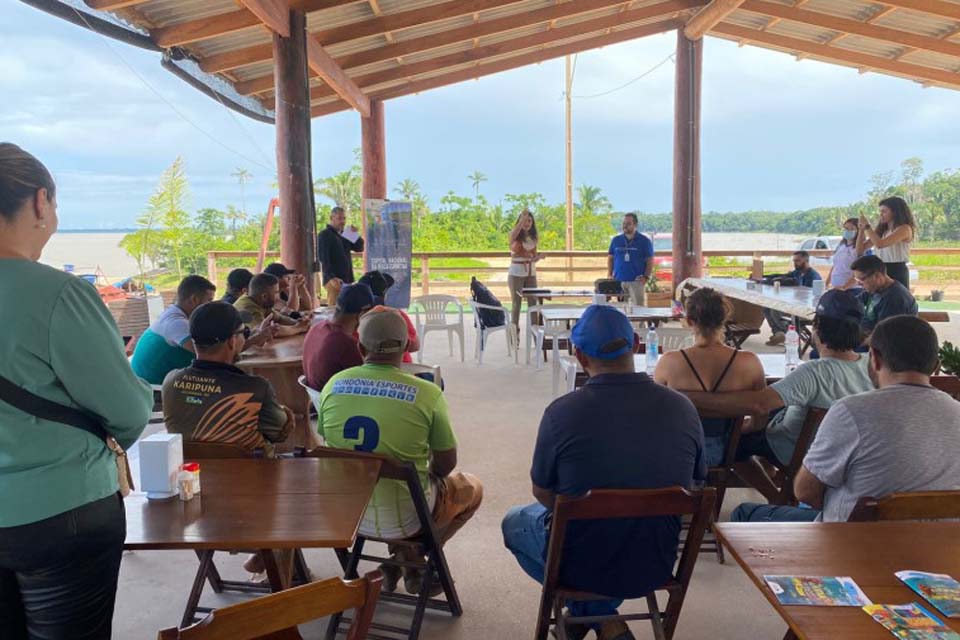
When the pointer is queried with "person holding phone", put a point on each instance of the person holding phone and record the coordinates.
(892, 238)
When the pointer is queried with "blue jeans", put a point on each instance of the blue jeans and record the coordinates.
(753, 512)
(526, 535)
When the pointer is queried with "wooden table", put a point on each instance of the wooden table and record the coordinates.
(794, 301)
(256, 504)
(546, 294)
(281, 362)
(869, 552)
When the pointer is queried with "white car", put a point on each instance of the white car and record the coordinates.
(818, 244)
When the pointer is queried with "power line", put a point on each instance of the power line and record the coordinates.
(669, 58)
(172, 106)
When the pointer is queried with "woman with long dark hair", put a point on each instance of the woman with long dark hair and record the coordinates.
(523, 262)
(892, 237)
(62, 523)
(841, 276)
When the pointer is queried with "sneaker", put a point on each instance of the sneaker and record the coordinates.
(413, 583)
(574, 632)
(615, 630)
(777, 339)
(391, 576)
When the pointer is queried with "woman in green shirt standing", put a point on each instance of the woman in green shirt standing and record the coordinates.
(62, 523)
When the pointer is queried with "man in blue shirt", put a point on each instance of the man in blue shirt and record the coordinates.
(594, 438)
(803, 275)
(631, 254)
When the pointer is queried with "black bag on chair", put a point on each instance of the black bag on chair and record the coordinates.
(608, 287)
(488, 317)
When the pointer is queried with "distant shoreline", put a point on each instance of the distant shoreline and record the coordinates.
(123, 230)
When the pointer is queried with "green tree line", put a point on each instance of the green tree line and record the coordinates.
(170, 237)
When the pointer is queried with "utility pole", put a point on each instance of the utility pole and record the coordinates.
(569, 243)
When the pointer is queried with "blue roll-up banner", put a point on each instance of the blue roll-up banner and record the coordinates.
(389, 245)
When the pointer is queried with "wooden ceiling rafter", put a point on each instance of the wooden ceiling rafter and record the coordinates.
(324, 66)
(847, 57)
(503, 47)
(112, 5)
(710, 15)
(476, 72)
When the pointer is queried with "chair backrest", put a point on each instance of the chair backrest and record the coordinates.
(914, 505)
(276, 616)
(603, 504)
(674, 338)
(809, 431)
(314, 394)
(948, 384)
(745, 314)
(414, 368)
(934, 316)
(195, 450)
(434, 308)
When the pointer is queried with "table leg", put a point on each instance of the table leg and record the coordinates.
(206, 561)
(275, 571)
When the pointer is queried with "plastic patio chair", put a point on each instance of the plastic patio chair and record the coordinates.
(674, 338)
(513, 340)
(434, 309)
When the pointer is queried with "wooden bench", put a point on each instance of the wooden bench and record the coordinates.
(934, 316)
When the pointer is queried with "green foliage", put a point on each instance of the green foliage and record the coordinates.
(950, 358)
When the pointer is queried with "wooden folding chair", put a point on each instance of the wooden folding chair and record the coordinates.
(948, 384)
(745, 321)
(427, 542)
(605, 504)
(776, 483)
(207, 571)
(909, 505)
(719, 477)
(276, 617)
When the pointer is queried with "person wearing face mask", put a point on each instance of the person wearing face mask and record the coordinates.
(902, 437)
(841, 275)
(892, 238)
(214, 401)
(62, 523)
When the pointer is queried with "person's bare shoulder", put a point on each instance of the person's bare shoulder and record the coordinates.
(751, 366)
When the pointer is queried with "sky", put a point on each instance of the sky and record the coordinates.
(777, 134)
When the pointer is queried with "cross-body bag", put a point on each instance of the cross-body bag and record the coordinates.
(44, 409)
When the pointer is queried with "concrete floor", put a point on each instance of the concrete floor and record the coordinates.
(495, 408)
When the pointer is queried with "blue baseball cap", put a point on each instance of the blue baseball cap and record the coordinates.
(355, 298)
(840, 305)
(603, 332)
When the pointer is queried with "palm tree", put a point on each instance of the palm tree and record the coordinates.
(591, 200)
(475, 179)
(243, 177)
(409, 190)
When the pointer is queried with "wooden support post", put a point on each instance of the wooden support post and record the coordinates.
(212, 267)
(569, 185)
(425, 274)
(374, 149)
(687, 254)
(298, 217)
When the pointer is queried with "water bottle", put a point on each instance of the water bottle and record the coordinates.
(792, 355)
(653, 349)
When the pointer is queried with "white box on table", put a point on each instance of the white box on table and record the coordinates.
(160, 458)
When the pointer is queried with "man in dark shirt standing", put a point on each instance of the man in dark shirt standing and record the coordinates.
(594, 438)
(334, 253)
(332, 346)
(882, 296)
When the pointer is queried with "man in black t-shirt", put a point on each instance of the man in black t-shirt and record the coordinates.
(334, 253)
(596, 438)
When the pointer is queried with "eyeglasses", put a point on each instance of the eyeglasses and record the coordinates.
(245, 330)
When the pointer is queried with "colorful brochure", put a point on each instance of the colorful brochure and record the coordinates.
(830, 591)
(910, 622)
(940, 590)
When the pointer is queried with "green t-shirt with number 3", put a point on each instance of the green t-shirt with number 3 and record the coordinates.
(382, 409)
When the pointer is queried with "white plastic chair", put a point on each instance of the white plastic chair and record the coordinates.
(569, 367)
(313, 393)
(483, 332)
(414, 369)
(674, 338)
(434, 308)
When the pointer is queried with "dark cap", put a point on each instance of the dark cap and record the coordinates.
(379, 282)
(840, 305)
(278, 269)
(239, 279)
(214, 323)
(603, 332)
(355, 298)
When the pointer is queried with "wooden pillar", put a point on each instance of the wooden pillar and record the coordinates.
(686, 161)
(294, 172)
(374, 150)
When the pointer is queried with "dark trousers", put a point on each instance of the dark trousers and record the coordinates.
(899, 272)
(58, 577)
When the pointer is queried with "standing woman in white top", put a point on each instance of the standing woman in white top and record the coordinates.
(892, 237)
(523, 258)
(841, 275)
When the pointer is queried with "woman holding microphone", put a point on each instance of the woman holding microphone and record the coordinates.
(523, 259)
(892, 237)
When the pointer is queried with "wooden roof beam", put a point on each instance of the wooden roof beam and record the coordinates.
(842, 56)
(515, 62)
(933, 7)
(257, 54)
(852, 27)
(513, 45)
(710, 15)
(275, 14)
(465, 34)
(182, 33)
(112, 5)
(324, 66)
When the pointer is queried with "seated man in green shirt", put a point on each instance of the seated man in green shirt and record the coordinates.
(214, 401)
(257, 305)
(166, 345)
(379, 408)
